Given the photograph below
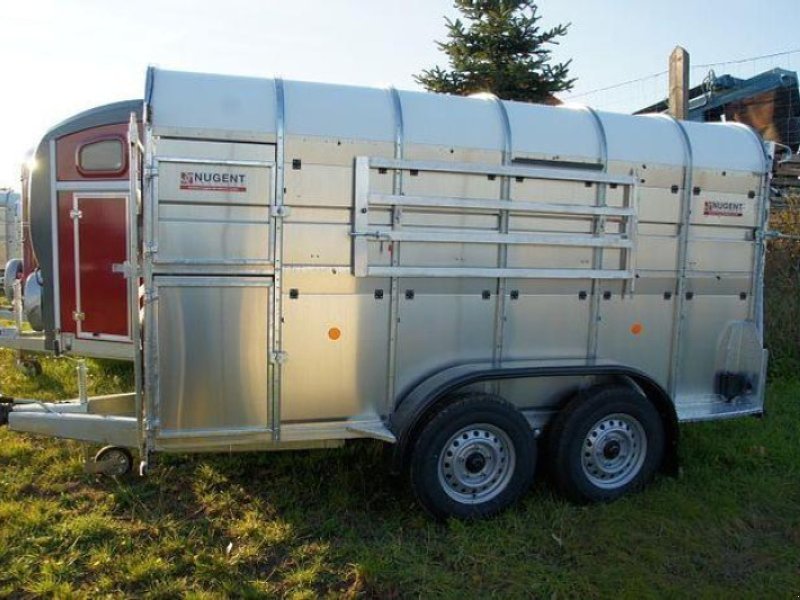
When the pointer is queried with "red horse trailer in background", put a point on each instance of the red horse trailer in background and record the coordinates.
(75, 201)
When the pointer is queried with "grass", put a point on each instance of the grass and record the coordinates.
(333, 524)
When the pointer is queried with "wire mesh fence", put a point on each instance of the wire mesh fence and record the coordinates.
(782, 291)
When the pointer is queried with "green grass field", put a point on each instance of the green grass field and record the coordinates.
(333, 524)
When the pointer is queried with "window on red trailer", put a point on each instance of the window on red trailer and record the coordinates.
(102, 157)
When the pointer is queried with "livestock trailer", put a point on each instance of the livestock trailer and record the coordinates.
(292, 264)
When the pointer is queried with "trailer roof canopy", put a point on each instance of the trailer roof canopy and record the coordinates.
(245, 109)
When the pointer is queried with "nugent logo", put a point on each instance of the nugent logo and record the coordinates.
(213, 182)
(720, 208)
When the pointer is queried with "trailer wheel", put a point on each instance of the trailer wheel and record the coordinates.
(114, 461)
(473, 459)
(30, 367)
(605, 445)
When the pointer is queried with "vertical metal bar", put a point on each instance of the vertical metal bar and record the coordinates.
(679, 318)
(54, 246)
(759, 260)
(631, 226)
(361, 217)
(397, 218)
(76, 257)
(149, 250)
(501, 303)
(598, 230)
(276, 354)
(762, 224)
(757, 292)
(83, 384)
(134, 271)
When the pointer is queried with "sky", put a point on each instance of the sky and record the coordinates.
(59, 57)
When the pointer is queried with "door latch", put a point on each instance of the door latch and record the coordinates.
(126, 269)
(78, 316)
(75, 214)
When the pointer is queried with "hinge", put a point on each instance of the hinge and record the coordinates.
(278, 358)
(78, 316)
(75, 214)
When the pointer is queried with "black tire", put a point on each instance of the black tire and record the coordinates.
(487, 434)
(629, 452)
(120, 460)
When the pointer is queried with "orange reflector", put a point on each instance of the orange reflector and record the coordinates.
(334, 333)
(637, 328)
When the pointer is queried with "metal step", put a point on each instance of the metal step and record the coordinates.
(712, 407)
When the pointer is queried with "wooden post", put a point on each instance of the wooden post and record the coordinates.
(679, 83)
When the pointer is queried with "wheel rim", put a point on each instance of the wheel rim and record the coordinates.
(116, 462)
(476, 463)
(613, 451)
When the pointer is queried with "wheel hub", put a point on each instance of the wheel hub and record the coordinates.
(476, 463)
(613, 451)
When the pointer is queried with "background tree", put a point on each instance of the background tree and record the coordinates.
(501, 50)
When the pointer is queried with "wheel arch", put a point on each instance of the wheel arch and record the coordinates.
(421, 400)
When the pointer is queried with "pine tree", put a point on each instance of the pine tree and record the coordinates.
(501, 50)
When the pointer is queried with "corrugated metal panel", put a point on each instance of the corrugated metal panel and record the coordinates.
(726, 146)
(212, 102)
(442, 120)
(642, 140)
(338, 111)
(244, 108)
(563, 132)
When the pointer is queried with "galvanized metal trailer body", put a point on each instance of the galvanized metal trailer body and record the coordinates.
(309, 263)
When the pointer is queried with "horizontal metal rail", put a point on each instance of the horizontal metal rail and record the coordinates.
(366, 201)
(213, 263)
(216, 162)
(213, 281)
(492, 205)
(500, 170)
(441, 236)
(492, 272)
(93, 186)
(205, 433)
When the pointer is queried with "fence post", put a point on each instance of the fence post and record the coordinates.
(679, 83)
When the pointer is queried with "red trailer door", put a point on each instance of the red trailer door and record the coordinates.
(101, 296)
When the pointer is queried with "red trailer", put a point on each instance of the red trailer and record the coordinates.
(76, 202)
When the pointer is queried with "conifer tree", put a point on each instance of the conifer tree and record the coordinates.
(499, 47)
